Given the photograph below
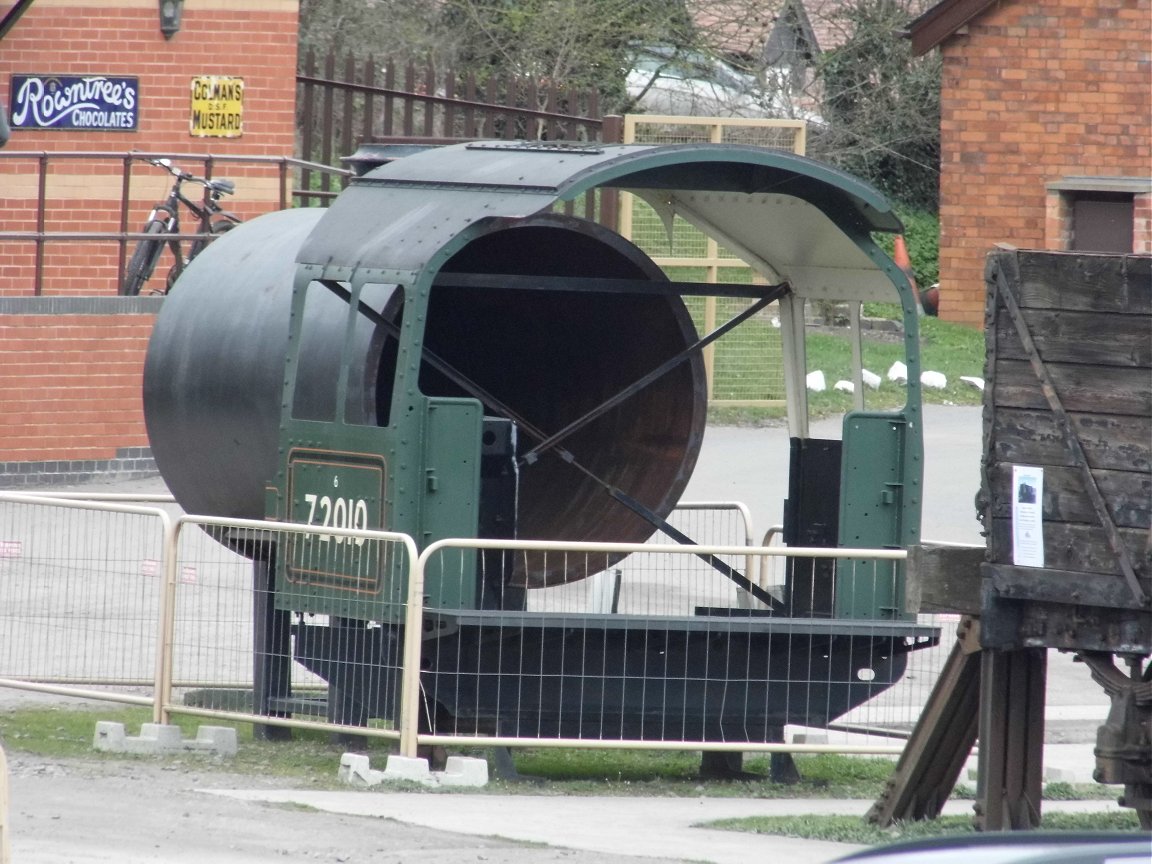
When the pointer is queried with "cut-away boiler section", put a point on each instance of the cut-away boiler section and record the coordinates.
(444, 356)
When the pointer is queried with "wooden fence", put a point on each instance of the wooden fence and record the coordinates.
(344, 102)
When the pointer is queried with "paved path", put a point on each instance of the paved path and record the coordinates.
(665, 828)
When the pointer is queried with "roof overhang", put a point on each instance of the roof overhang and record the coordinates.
(940, 22)
(793, 219)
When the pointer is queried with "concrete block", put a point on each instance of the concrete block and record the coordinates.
(109, 737)
(1066, 774)
(163, 738)
(405, 768)
(221, 740)
(160, 736)
(355, 770)
(465, 771)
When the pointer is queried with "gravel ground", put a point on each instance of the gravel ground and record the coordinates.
(141, 811)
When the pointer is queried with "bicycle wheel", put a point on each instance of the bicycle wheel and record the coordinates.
(143, 262)
(220, 226)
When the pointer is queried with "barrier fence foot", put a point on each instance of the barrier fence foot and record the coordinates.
(160, 738)
(356, 770)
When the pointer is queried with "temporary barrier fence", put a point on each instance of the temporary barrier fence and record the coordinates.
(81, 599)
(5, 833)
(226, 632)
(125, 603)
(536, 661)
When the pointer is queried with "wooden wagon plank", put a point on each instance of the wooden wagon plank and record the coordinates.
(1060, 586)
(1087, 338)
(1119, 284)
(1098, 389)
(1110, 442)
(1069, 546)
(1068, 627)
(1128, 495)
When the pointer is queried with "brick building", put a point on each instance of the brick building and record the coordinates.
(100, 76)
(1046, 132)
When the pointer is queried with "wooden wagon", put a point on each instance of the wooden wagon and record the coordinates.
(1066, 504)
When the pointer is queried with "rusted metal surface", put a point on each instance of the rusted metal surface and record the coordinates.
(1124, 742)
(215, 439)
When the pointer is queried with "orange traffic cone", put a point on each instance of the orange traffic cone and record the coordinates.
(900, 254)
(900, 257)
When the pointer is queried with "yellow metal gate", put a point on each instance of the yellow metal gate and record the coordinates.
(745, 368)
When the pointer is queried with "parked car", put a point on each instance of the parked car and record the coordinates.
(1015, 847)
(668, 80)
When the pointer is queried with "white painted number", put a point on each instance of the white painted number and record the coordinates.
(341, 513)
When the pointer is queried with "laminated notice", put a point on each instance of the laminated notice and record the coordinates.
(1027, 516)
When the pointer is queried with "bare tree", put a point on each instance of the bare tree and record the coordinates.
(411, 28)
(881, 105)
(572, 43)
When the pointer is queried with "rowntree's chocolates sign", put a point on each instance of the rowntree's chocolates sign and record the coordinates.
(99, 103)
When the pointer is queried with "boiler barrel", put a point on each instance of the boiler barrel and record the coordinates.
(215, 369)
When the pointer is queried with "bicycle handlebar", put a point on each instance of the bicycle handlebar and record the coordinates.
(222, 187)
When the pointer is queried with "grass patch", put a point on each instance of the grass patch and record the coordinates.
(675, 774)
(58, 732)
(952, 349)
(853, 829)
(61, 732)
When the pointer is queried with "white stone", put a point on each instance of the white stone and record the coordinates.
(870, 378)
(978, 383)
(109, 737)
(898, 372)
(815, 381)
(465, 771)
(219, 739)
(935, 380)
(355, 770)
(845, 386)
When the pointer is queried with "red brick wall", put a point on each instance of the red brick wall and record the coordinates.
(1034, 92)
(1142, 224)
(70, 366)
(70, 373)
(250, 39)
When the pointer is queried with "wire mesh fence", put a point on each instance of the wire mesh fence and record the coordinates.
(80, 593)
(744, 367)
(670, 661)
(652, 644)
(244, 643)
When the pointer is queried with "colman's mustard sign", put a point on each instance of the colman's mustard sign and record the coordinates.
(217, 107)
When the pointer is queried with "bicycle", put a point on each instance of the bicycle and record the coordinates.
(164, 227)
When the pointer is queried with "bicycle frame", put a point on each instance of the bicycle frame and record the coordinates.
(164, 221)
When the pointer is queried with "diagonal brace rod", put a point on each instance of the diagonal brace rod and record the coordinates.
(494, 403)
(664, 368)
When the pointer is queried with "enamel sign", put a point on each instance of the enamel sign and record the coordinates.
(97, 103)
(217, 107)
